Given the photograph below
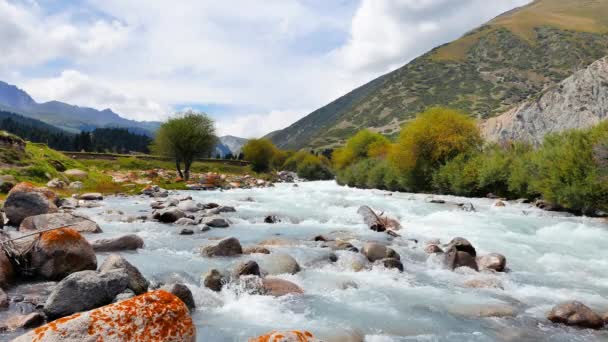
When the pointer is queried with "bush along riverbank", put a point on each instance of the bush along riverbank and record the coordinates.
(442, 151)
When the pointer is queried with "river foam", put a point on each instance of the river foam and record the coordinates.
(551, 258)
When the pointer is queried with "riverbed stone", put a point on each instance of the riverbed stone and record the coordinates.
(433, 249)
(463, 245)
(494, 262)
(577, 314)
(182, 292)
(184, 221)
(85, 290)
(4, 300)
(55, 220)
(214, 280)
(375, 251)
(153, 316)
(215, 221)
(280, 287)
(256, 250)
(127, 242)
(454, 258)
(189, 206)
(226, 247)
(31, 320)
(222, 209)
(484, 283)
(280, 263)
(169, 215)
(137, 282)
(25, 200)
(58, 253)
(247, 268)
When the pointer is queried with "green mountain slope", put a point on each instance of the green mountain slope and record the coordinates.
(484, 73)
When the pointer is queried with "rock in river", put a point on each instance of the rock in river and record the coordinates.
(214, 280)
(121, 243)
(137, 282)
(55, 220)
(169, 215)
(494, 261)
(286, 336)
(182, 292)
(280, 263)
(85, 290)
(58, 253)
(215, 221)
(153, 316)
(575, 314)
(375, 251)
(229, 246)
(7, 272)
(279, 287)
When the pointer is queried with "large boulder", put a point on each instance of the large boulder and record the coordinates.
(280, 263)
(286, 336)
(153, 316)
(45, 221)
(246, 268)
(127, 242)
(494, 262)
(7, 272)
(375, 251)
(85, 290)
(575, 314)
(226, 247)
(25, 200)
(463, 245)
(190, 206)
(58, 253)
(279, 287)
(137, 282)
(182, 292)
(454, 258)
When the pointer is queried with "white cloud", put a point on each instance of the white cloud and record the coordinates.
(80, 89)
(386, 34)
(30, 37)
(142, 58)
(256, 125)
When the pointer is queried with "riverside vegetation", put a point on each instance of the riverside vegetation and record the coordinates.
(442, 151)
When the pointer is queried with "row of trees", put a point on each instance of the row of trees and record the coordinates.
(442, 151)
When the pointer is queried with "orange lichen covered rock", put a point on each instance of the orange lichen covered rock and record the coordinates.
(153, 316)
(26, 200)
(58, 253)
(286, 336)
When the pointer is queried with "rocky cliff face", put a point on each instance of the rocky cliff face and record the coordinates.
(580, 101)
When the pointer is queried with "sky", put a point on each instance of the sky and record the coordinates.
(254, 66)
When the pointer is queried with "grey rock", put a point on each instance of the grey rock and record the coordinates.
(279, 263)
(45, 221)
(392, 263)
(91, 196)
(494, 261)
(229, 246)
(247, 268)
(375, 251)
(85, 290)
(454, 258)
(463, 245)
(215, 221)
(126, 294)
(169, 215)
(214, 280)
(575, 314)
(186, 231)
(122, 243)
(137, 282)
(190, 206)
(184, 221)
(23, 202)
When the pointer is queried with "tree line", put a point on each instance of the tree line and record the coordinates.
(442, 151)
(114, 140)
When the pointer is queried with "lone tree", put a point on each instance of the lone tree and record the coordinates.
(185, 137)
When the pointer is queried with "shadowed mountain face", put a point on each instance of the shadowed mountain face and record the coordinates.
(66, 116)
(485, 73)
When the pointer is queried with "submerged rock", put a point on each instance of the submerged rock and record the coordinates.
(455, 258)
(58, 253)
(375, 251)
(55, 220)
(392, 263)
(121, 243)
(137, 282)
(575, 314)
(229, 246)
(184, 221)
(433, 249)
(279, 287)
(280, 263)
(169, 215)
(463, 245)
(85, 290)
(271, 219)
(255, 250)
(25, 200)
(215, 221)
(154, 316)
